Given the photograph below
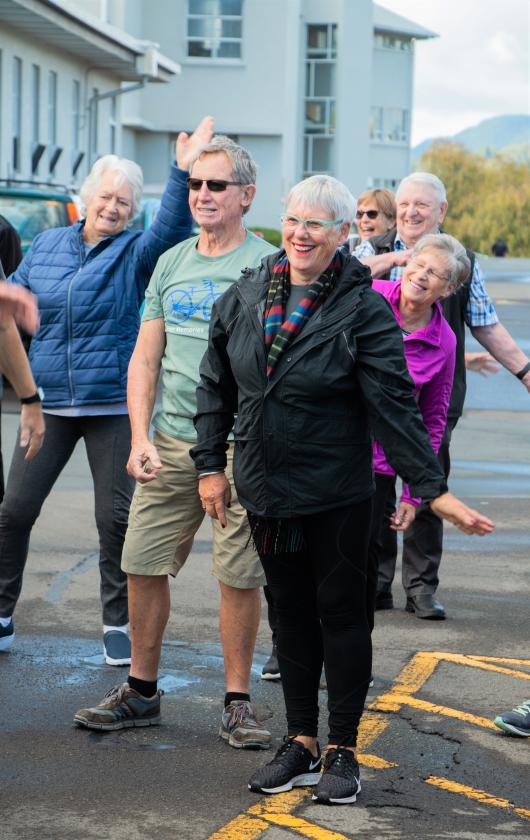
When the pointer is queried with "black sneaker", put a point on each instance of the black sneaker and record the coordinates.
(7, 636)
(340, 782)
(117, 648)
(292, 766)
(271, 669)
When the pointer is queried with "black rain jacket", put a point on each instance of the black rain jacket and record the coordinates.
(303, 439)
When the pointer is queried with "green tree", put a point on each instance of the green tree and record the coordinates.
(488, 198)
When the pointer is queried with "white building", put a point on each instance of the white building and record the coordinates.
(61, 74)
(306, 85)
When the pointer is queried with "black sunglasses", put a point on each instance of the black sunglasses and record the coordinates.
(212, 183)
(372, 214)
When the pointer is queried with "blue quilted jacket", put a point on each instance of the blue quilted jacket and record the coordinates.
(89, 306)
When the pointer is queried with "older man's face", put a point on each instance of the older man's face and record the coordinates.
(418, 211)
(219, 211)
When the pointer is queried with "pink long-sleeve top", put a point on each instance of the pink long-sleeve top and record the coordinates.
(430, 357)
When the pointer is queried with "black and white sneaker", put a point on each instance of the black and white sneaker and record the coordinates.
(292, 766)
(7, 635)
(340, 782)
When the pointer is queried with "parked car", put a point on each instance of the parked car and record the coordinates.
(32, 208)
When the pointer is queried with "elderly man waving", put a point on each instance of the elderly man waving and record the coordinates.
(166, 511)
(421, 208)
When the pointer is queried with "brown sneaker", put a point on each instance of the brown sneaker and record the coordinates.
(240, 727)
(121, 708)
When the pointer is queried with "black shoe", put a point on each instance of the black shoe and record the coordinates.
(425, 606)
(340, 782)
(292, 766)
(271, 669)
(384, 600)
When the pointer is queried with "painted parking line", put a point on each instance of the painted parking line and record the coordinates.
(277, 810)
(479, 795)
(413, 677)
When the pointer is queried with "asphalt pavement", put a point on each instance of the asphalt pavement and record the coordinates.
(432, 764)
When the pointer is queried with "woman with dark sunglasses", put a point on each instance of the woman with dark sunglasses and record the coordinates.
(376, 213)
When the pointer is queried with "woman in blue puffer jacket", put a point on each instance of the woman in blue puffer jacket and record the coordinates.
(90, 280)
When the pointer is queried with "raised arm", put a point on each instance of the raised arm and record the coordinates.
(173, 221)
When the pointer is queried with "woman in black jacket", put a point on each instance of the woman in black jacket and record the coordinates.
(308, 360)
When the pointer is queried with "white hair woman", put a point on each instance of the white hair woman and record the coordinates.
(438, 266)
(89, 280)
(304, 360)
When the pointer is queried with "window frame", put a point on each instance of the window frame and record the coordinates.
(216, 18)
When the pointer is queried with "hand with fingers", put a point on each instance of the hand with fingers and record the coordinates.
(32, 429)
(403, 517)
(482, 363)
(18, 303)
(186, 146)
(144, 463)
(466, 519)
(215, 494)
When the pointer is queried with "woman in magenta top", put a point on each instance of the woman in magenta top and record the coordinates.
(437, 267)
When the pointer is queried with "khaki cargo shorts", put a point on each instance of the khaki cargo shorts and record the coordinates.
(166, 514)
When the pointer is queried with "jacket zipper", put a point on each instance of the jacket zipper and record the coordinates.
(69, 322)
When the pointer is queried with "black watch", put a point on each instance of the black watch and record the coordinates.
(522, 373)
(36, 397)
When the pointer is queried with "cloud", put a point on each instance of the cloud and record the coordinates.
(503, 48)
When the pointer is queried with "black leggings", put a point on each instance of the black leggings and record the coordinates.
(320, 599)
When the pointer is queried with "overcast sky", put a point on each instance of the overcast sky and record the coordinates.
(477, 68)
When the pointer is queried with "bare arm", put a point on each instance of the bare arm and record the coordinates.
(19, 304)
(144, 368)
(498, 341)
(15, 366)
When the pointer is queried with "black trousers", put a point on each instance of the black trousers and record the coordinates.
(319, 596)
(108, 440)
(422, 542)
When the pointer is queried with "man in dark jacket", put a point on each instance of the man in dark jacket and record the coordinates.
(421, 209)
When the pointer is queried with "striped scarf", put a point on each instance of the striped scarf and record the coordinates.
(280, 332)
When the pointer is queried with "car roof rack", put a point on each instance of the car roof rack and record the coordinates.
(37, 184)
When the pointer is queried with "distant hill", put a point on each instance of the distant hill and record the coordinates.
(489, 136)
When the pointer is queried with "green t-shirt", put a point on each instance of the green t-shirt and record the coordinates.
(182, 290)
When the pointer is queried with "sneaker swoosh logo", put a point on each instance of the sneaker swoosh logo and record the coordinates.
(314, 764)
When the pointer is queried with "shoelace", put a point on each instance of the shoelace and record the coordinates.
(524, 708)
(342, 760)
(115, 691)
(242, 711)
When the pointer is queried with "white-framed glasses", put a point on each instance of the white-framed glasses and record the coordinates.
(313, 226)
(430, 272)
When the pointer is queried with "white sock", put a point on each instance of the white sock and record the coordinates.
(4, 622)
(123, 629)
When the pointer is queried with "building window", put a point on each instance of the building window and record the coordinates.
(389, 125)
(35, 103)
(16, 112)
(386, 183)
(113, 125)
(384, 41)
(76, 115)
(215, 28)
(52, 108)
(319, 100)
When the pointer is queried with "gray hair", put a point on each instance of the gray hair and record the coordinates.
(244, 169)
(126, 170)
(427, 178)
(453, 251)
(326, 192)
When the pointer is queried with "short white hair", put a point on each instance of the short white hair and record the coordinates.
(427, 178)
(454, 252)
(126, 170)
(326, 192)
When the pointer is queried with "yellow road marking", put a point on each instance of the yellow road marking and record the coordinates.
(483, 663)
(479, 795)
(501, 659)
(417, 703)
(305, 828)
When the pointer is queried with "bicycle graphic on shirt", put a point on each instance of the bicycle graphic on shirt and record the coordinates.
(184, 303)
